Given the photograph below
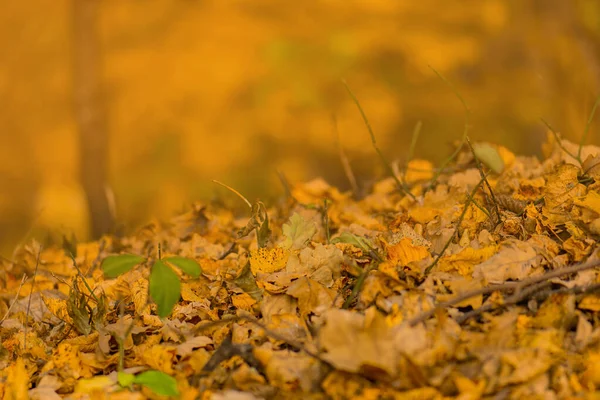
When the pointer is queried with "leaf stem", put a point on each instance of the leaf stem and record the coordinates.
(234, 191)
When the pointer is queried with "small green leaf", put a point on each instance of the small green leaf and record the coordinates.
(298, 232)
(114, 266)
(158, 382)
(350, 238)
(165, 288)
(125, 380)
(187, 265)
(488, 155)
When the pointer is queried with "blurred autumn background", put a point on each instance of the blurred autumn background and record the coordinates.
(153, 99)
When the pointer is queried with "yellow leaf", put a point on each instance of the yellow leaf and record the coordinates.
(243, 301)
(17, 381)
(590, 201)
(590, 302)
(467, 388)
(404, 252)
(424, 214)
(461, 286)
(464, 261)
(160, 357)
(268, 260)
(591, 375)
(58, 307)
(97, 383)
(419, 170)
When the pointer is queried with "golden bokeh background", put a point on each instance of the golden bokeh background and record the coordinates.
(194, 90)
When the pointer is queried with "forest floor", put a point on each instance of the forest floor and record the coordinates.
(478, 280)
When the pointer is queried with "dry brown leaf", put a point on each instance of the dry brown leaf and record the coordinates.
(515, 260)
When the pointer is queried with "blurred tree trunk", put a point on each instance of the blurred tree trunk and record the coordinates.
(90, 113)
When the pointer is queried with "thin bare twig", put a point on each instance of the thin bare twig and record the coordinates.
(482, 174)
(344, 158)
(460, 219)
(286, 185)
(411, 148)
(234, 191)
(565, 290)
(505, 287)
(465, 129)
(520, 296)
(559, 141)
(290, 342)
(37, 264)
(480, 207)
(227, 252)
(23, 279)
(587, 128)
(514, 299)
(401, 185)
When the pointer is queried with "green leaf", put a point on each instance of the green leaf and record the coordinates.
(488, 155)
(114, 266)
(158, 382)
(187, 265)
(125, 380)
(165, 288)
(298, 232)
(350, 238)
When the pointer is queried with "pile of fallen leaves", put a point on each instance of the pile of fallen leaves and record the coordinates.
(475, 281)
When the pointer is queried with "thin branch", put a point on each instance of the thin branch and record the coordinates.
(413, 144)
(482, 174)
(465, 129)
(290, 342)
(559, 141)
(37, 264)
(227, 252)
(344, 158)
(401, 186)
(518, 297)
(480, 207)
(23, 279)
(414, 138)
(234, 191)
(460, 219)
(286, 185)
(587, 128)
(504, 287)
(325, 219)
